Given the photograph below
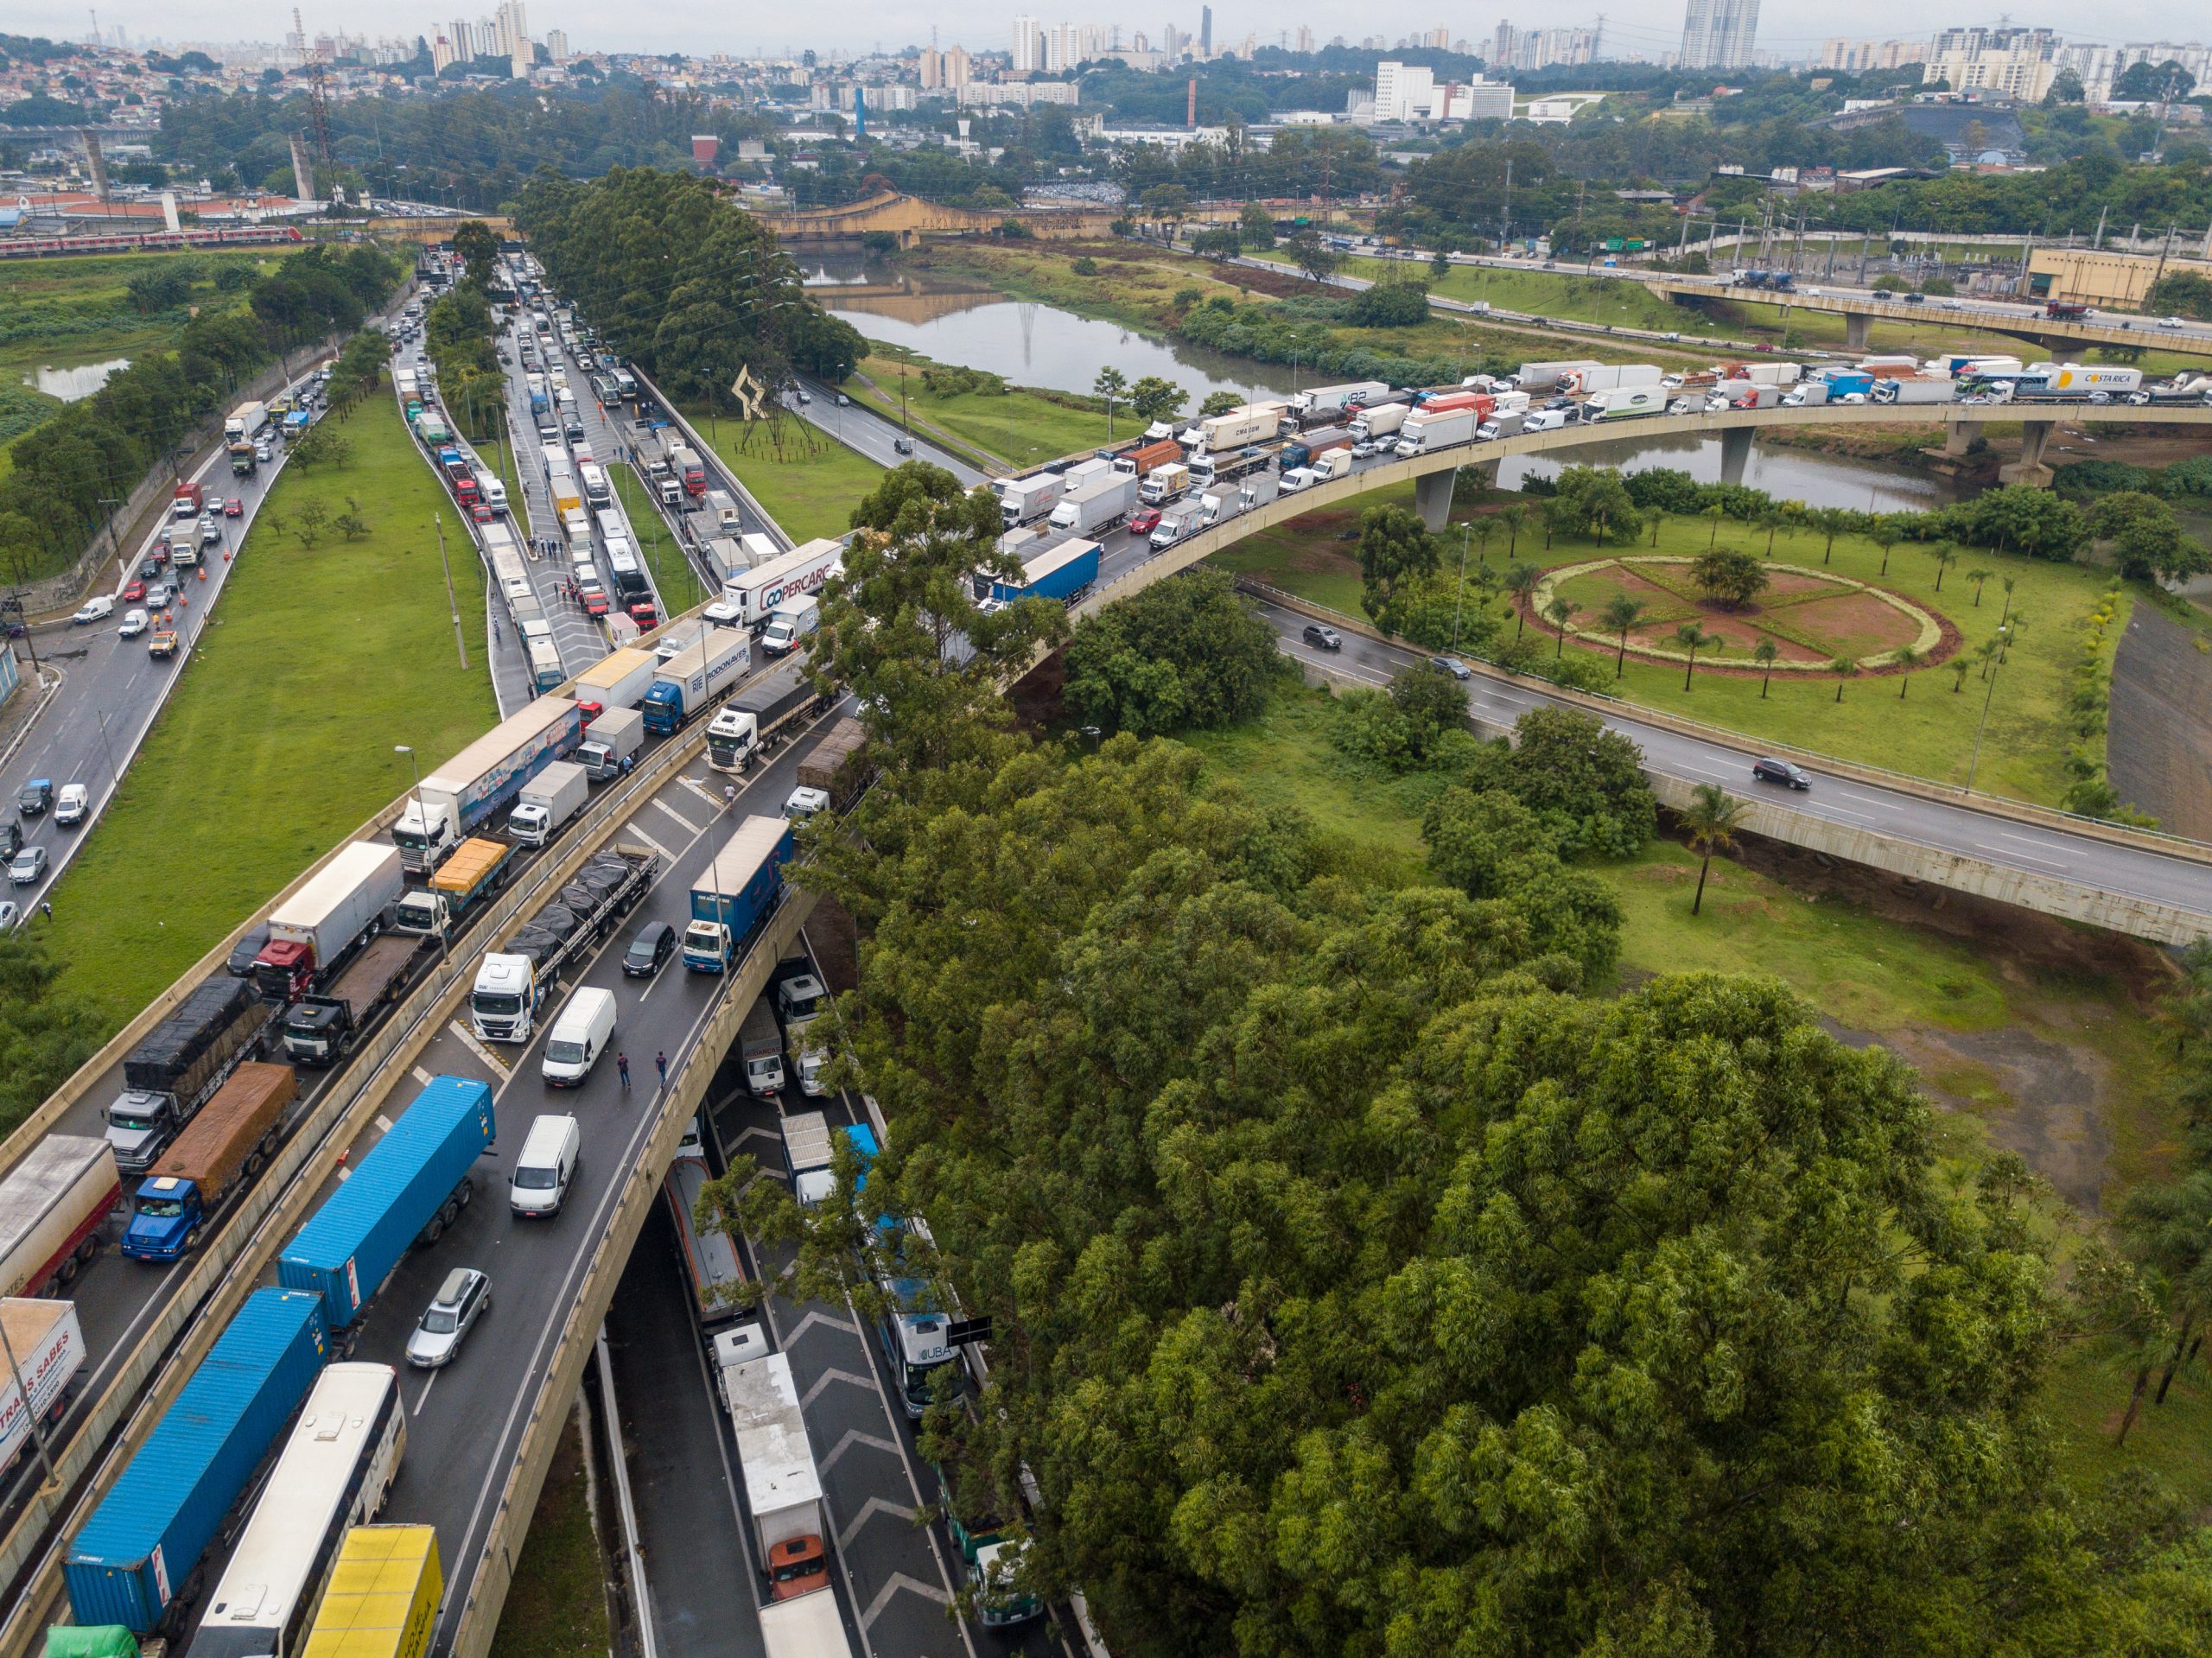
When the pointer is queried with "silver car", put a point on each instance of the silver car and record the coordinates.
(465, 1296)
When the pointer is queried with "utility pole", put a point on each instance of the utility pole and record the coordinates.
(452, 603)
(1505, 209)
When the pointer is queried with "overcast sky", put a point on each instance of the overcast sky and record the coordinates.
(1793, 27)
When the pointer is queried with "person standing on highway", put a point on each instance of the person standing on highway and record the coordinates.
(661, 1059)
(622, 1067)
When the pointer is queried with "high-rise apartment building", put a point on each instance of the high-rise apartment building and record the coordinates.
(1718, 34)
(1541, 49)
(1857, 57)
(1304, 41)
(1205, 31)
(2018, 63)
(1029, 46)
(557, 43)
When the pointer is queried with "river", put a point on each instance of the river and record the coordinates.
(1042, 345)
(71, 384)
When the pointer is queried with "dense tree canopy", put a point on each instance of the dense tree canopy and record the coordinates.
(1179, 654)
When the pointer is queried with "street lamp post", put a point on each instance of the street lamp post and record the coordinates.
(1459, 603)
(1989, 696)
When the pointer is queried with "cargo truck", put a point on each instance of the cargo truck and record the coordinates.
(1918, 389)
(1330, 402)
(689, 470)
(312, 932)
(478, 868)
(1811, 394)
(783, 1488)
(52, 1205)
(1541, 377)
(248, 421)
(1254, 423)
(410, 1187)
(548, 801)
(721, 508)
(1380, 420)
(791, 625)
(1610, 377)
(383, 1598)
(1424, 431)
(137, 1557)
(686, 682)
(1307, 450)
(1179, 522)
(736, 892)
(1209, 470)
(761, 1051)
(475, 785)
(321, 1030)
(187, 501)
(243, 461)
(512, 984)
(2078, 380)
(1064, 572)
(1164, 483)
(181, 1061)
(802, 570)
(1141, 458)
(808, 1626)
(48, 1346)
(1024, 500)
(835, 765)
(612, 738)
(1629, 402)
(1101, 505)
(1747, 394)
(808, 1151)
(228, 1142)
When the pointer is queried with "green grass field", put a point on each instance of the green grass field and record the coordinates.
(1929, 733)
(279, 741)
(674, 579)
(556, 1604)
(811, 488)
(1017, 430)
(1937, 998)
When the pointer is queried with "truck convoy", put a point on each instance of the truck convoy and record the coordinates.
(320, 1030)
(312, 932)
(512, 984)
(52, 1205)
(411, 1185)
(231, 1140)
(48, 1346)
(753, 595)
(475, 784)
(687, 682)
(1101, 505)
(144, 1542)
(548, 801)
(181, 1064)
(736, 892)
(783, 1487)
(617, 680)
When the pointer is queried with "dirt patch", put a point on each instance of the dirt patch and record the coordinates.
(1855, 624)
(2158, 743)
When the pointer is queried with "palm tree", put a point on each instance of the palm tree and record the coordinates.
(1765, 653)
(1716, 512)
(1514, 518)
(1520, 581)
(2008, 584)
(1907, 657)
(1978, 577)
(1485, 530)
(1621, 613)
(1986, 653)
(1945, 555)
(1885, 534)
(2007, 637)
(1110, 384)
(1844, 668)
(1557, 612)
(1770, 519)
(1831, 521)
(1691, 638)
(1961, 666)
(1710, 820)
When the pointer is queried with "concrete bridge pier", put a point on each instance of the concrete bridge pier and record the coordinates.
(2029, 469)
(1958, 436)
(1433, 499)
(1857, 327)
(1735, 452)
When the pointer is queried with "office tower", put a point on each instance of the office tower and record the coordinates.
(1205, 31)
(1718, 34)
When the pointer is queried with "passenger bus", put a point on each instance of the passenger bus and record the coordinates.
(331, 1475)
(710, 1257)
(913, 1332)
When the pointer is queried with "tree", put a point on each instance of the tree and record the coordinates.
(1394, 546)
(1959, 667)
(1844, 669)
(1439, 265)
(1514, 519)
(2147, 82)
(1591, 501)
(1155, 399)
(1166, 201)
(1585, 782)
(1906, 658)
(1219, 244)
(309, 521)
(1432, 701)
(1621, 613)
(1185, 652)
(478, 249)
(1978, 577)
(1885, 532)
(2147, 540)
(1730, 576)
(1219, 403)
(1945, 555)
(1521, 584)
(1313, 255)
(1111, 385)
(1765, 653)
(1692, 638)
(1710, 821)
(1256, 227)
(1830, 521)
(1557, 613)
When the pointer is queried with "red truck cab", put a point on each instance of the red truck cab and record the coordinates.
(284, 969)
(187, 502)
(643, 613)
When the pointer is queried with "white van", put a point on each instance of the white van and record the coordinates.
(579, 1036)
(789, 623)
(546, 1169)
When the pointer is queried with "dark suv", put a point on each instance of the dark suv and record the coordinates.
(1782, 771)
(1322, 638)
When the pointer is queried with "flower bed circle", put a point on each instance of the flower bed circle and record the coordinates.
(1813, 617)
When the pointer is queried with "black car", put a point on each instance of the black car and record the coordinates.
(655, 943)
(902, 445)
(11, 838)
(1453, 666)
(240, 966)
(1782, 771)
(1323, 639)
(34, 796)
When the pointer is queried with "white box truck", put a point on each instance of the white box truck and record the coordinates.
(1100, 504)
(1629, 402)
(311, 932)
(783, 1487)
(721, 507)
(547, 800)
(1022, 500)
(475, 785)
(790, 625)
(1329, 402)
(617, 680)
(1164, 483)
(48, 1346)
(615, 736)
(804, 569)
(1381, 421)
(1255, 422)
(1423, 433)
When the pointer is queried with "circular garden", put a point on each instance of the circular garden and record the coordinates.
(1736, 603)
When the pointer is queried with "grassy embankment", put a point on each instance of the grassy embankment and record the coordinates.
(1929, 733)
(279, 741)
(810, 488)
(1959, 1007)
(1012, 430)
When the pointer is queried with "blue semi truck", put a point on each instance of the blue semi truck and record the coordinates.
(410, 1187)
(138, 1555)
(737, 891)
(1065, 572)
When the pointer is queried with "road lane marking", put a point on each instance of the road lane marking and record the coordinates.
(468, 1037)
(897, 1581)
(664, 805)
(853, 1437)
(869, 1510)
(384, 1123)
(423, 1076)
(699, 790)
(823, 1318)
(826, 1378)
(422, 1398)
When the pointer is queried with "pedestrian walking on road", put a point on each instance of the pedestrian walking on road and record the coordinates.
(622, 1067)
(661, 1059)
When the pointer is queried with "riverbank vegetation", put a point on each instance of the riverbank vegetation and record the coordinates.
(1242, 1145)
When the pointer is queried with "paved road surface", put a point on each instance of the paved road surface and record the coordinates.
(862, 430)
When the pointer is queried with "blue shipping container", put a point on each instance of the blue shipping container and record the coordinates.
(146, 1538)
(351, 1244)
(1060, 574)
(742, 885)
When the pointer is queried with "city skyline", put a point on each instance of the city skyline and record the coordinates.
(1787, 29)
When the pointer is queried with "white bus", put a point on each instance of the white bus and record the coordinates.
(331, 1475)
